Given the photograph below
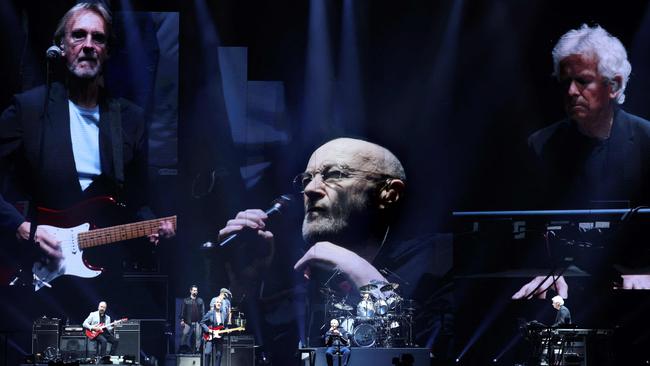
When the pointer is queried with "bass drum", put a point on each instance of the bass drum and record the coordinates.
(365, 335)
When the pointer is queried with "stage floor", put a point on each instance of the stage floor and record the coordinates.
(376, 356)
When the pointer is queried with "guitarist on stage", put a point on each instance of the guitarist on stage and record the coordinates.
(94, 322)
(212, 348)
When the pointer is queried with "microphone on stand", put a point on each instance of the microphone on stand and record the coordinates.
(278, 205)
(53, 53)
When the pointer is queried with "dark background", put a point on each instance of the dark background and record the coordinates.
(453, 88)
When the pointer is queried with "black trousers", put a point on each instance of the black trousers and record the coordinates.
(102, 340)
(212, 352)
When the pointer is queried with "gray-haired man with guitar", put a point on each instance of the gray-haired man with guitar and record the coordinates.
(98, 327)
(213, 325)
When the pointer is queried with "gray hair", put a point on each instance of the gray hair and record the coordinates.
(595, 41)
(96, 7)
(558, 299)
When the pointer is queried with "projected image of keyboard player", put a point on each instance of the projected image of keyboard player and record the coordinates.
(599, 152)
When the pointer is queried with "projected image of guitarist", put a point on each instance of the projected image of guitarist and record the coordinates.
(82, 144)
(98, 326)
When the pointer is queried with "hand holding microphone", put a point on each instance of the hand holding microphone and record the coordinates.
(254, 220)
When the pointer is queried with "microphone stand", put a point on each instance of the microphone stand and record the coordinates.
(32, 216)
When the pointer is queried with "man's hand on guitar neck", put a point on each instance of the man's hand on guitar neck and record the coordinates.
(45, 240)
(165, 231)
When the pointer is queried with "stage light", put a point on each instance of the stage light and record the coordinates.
(494, 360)
(457, 360)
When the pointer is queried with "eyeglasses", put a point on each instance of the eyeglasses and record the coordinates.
(332, 174)
(79, 36)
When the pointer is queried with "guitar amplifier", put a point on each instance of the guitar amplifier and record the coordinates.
(240, 350)
(129, 325)
(45, 334)
(244, 340)
(73, 330)
(128, 333)
(74, 347)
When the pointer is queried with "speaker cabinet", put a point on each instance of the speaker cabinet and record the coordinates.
(45, 334)
(241, 356)
(128, 333)
(74, 347)
(188, 360)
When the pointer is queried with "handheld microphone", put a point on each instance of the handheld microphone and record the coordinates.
(277, 206)
(53, 53)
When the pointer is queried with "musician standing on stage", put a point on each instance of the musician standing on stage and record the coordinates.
(226, 306)
(192, 310)
(77, 158)
(599, 152)
(337, 340)
(563, 316)
(212, 348)
(93, 323)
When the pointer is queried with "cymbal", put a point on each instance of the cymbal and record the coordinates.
(389, 287)
(343, 306)
(367, 288)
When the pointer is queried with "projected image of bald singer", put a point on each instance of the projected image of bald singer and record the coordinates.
(597, 157)
(351, 192)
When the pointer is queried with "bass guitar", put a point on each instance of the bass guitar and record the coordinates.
(92, 334)
(216, 332)
(72, 229)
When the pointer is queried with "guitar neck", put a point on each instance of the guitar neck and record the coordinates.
(117, 233)
(229, 330)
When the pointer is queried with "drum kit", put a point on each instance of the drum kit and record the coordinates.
(381, 319)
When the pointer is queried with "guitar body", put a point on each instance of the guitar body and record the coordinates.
(72, 262)
(208, 336)
(215, 332)
(92, 334)
(72, 228)
(97, 211)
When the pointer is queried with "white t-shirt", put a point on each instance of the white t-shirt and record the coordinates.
(84, 131)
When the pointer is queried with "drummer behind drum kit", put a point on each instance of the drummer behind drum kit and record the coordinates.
(384, 320)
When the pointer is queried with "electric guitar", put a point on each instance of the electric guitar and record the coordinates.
(92, 334)
(216, 332)
(72, 228)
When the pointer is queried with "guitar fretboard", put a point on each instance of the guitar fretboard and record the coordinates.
(114, 234)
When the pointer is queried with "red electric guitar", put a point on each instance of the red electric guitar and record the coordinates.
(216, 332)
(92, 334)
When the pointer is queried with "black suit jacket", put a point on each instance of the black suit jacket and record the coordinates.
(571, 170)
(57, 186)
(563, 317)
